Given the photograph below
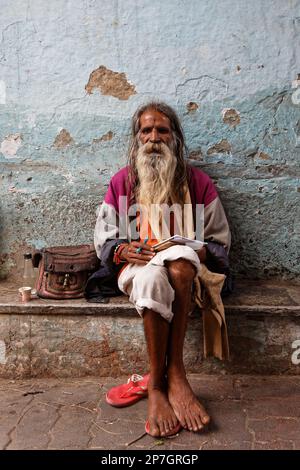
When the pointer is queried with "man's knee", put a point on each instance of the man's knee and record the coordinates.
(181, 270)
(152, 289)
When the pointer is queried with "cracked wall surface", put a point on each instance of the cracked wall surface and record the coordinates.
(72, 75)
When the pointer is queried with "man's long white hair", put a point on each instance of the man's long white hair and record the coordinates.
(177, 147)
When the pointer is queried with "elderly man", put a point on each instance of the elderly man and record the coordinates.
(160, 284)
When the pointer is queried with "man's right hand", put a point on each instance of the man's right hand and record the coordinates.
(138, 253)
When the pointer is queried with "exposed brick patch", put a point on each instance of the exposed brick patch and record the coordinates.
(192, 106)
(221, 147)
(63, 139)
(110, 83)
(231, 117)
(104, 138)
(196, 155)
(263, 156)
(10, 145)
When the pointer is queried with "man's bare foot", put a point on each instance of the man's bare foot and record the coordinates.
(189, 411)
(161, 416)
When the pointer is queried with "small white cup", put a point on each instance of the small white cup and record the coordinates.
(25, 293)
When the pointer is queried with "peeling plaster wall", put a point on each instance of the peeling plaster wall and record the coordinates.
(73, 72)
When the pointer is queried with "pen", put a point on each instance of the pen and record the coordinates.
(139, 249)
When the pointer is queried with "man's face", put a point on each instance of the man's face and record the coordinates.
(155, 127)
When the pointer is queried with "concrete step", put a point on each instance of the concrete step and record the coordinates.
(247, 412)
(75, 338)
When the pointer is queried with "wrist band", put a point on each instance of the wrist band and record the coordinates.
(117, 252)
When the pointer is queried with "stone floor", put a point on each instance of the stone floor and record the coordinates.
(248, 412)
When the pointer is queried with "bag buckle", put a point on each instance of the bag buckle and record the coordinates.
(66, 281)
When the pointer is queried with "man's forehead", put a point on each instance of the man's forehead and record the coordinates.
(152, 116)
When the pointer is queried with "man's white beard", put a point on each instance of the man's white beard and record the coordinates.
(156, 166)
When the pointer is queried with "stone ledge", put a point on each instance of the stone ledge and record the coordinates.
(251, 297)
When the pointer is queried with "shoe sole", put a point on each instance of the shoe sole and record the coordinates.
(129, 402)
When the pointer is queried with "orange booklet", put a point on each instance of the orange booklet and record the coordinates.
(179, 240)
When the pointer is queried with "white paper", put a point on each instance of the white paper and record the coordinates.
(195, 244)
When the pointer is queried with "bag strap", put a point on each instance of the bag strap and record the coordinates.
(36, 258)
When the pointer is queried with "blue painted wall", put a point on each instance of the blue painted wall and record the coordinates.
(73, 72)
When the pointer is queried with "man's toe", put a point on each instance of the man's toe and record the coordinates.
(199, 424)
(174, 422)
(170, 424)
(154, 429)
(189, 422)
(161, 431)
(205, 418)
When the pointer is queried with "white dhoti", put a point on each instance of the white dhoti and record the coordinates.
(149, 286)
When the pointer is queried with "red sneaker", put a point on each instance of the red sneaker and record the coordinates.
(172, 432)
(129, 393)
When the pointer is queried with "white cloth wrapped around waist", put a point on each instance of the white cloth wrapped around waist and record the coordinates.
(148, 287)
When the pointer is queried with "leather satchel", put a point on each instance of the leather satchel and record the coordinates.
(64, 270)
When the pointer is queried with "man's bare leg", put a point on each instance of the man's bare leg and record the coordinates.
(185, 404)
(161, 416)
